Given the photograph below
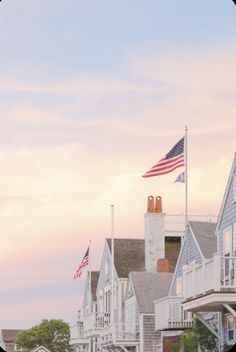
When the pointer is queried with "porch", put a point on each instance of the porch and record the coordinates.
(169, 314)
(120, 341)
(210, 285)
(77, 335)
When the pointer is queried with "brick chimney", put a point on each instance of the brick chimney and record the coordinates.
(163, 265)
(154, 233)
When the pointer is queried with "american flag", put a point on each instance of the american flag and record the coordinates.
(82, 265)
(172, 160)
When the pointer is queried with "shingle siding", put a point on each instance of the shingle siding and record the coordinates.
(150, 336)
(189, 253)
(228, 213)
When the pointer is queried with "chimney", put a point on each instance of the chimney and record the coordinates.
(163, 265)
(154, 233)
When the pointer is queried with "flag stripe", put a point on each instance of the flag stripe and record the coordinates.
(173, 159)
(167, 166)
(163, 172)
(83, 264)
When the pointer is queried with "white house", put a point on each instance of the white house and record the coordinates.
(204, 283)
(211, 285)
(83, 334)
(130, 255)
(198, 247)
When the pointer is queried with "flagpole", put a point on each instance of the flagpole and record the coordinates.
(112, 268)
(186, 176)
(90, 276)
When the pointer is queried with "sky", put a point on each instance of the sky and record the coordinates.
(92, 94)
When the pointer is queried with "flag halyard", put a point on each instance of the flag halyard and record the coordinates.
(83, 264)
(173, 160)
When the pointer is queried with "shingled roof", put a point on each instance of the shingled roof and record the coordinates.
(205, 236)
(149, 287)
(129, 255)
(9, 336)
(94, 283)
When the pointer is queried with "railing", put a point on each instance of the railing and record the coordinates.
(96, 321)
(213, 275)
(169, 314)
(76, 332)
(126, 336)
(176, 222)
(130, 338)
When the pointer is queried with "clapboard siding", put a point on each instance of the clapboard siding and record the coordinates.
(150, 336)
(189, 252)
(228, 216)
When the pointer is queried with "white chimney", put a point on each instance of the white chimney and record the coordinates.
(154, 233)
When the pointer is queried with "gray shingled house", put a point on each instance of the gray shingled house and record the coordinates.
(103, 328)
(199, 246)
(143, 289)
(211, 286)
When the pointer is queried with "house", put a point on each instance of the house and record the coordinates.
(204, 282)
(198, 247)
(40, 349)
(106, 331)
(143, 289)
(84, 332)
(211, 285)
(8, 338)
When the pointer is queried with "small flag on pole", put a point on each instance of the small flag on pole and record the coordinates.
(82, 265)
(172, 160)
(180, 178)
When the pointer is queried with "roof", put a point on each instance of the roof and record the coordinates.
(40, 349)
(205, 235)
(129, 255)
(226, 192)
(9, 336)
(94, 283)
(149, 287)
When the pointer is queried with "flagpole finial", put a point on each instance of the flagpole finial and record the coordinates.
(186, 128)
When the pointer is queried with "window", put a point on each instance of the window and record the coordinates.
(227, 235)
(234, 240)
(106, 268)
(230, 328)
(179, 286)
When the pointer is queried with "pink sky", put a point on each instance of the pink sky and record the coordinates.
(72, 146)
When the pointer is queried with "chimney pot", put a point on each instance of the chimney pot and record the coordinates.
(158, 205)
(150, 204)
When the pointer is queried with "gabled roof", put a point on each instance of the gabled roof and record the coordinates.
(129, 255)
(226, 193)
(94, 283)
(149, 287)
(205, 235)
(9, 335)
(40, 349)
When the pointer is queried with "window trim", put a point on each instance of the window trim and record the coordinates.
(228, 230)
(230, 316)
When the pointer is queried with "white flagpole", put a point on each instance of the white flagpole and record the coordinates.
(112, 269)
(186, 176)
(90, 276)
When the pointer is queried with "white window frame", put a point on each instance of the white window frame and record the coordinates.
(227, 231)
(232, 329)
(179, 286)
